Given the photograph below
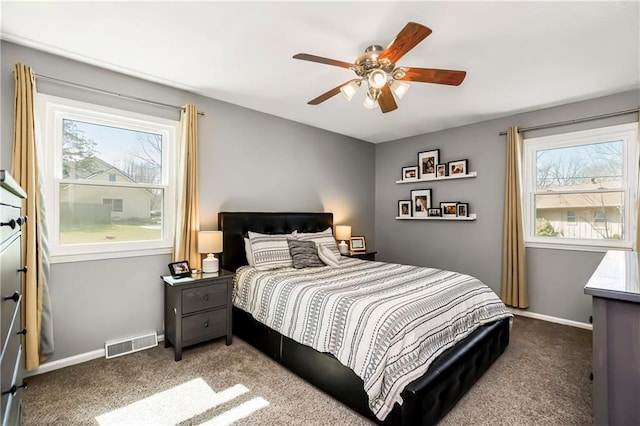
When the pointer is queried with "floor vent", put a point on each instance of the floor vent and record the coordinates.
(114, 348)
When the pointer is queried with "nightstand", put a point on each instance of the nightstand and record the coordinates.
(368, 255)
(197, 309)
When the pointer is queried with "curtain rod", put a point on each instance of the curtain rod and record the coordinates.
(577, 120)
(107, 92)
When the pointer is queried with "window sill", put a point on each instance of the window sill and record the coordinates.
(86, 257)
(576, 247)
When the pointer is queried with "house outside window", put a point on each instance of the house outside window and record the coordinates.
(110, 169)
(579, 189)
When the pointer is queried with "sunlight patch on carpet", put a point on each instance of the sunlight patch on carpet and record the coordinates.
(172, 406)
(236, 413)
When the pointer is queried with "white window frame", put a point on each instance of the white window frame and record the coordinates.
(628, 134)
(52, 110)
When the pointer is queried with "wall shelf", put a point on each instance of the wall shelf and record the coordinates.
(471, 216)
(468, 175)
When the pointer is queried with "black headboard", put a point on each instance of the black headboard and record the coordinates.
(235, 225)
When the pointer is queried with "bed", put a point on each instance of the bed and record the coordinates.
(425, 400)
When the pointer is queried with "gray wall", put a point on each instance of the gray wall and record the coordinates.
(248, 161)
(556, 277)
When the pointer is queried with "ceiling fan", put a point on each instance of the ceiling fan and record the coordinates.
(377, 66)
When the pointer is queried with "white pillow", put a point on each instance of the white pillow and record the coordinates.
(270, 251)
(324, 238)
(327, 256)
(248, 252)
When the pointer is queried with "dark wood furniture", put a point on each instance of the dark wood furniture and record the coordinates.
(197, 310)
(615, 287)
(12, 268)
(425, 401)
(364, 255)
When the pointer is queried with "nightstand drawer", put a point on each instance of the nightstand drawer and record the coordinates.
(206, 324)
(201, 298)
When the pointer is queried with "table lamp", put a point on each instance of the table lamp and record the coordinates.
(210, 242)
(343, 233)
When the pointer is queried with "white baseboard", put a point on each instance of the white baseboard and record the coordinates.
(72, 360)
(548, 318)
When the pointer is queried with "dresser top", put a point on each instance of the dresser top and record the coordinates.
(616, 277)
(7, 182)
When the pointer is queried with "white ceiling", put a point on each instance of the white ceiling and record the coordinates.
(519, 56)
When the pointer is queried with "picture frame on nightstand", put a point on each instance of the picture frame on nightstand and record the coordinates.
(358, 244)
(180, 269)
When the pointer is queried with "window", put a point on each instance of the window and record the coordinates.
(109, 190)
(600, 216)
(113, 204)
(579, 189)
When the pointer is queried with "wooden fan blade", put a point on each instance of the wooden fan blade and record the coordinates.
(432, 75)
(407, 39)
(386, 101)
(321, 60)
(330, 94)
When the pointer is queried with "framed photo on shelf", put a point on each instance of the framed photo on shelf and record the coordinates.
(427, 162)
(441, 170)
(434, 212)
(404, 208)
(410, 173)
(421, 202)
(462, 209)
(457, 168)
(180, 269)
(358, 244)
(449, 208)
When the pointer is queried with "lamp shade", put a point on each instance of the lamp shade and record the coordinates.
(210, 241)
(343, 232)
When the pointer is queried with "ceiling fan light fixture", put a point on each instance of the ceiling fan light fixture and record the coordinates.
(370, 103)
(399, 88)
(350, 89)
(377, 78)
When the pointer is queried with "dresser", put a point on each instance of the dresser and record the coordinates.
(615, 287)
(197, 309)
(11, 269)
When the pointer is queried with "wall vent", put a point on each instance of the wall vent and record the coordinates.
(114, 348)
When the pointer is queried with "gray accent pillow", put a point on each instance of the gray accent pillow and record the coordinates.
(325, 238)
(304, 254)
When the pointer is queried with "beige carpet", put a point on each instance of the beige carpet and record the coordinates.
(542, 379)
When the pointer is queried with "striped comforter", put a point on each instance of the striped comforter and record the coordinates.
(387, 322)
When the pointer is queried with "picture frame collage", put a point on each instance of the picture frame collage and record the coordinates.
(429, 167)
(420, 205)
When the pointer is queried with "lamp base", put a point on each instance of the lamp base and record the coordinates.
(210, 264)
(343, 247)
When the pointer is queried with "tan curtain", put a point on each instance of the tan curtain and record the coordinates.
(24, 169)
(514, 266)
(187, 217)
